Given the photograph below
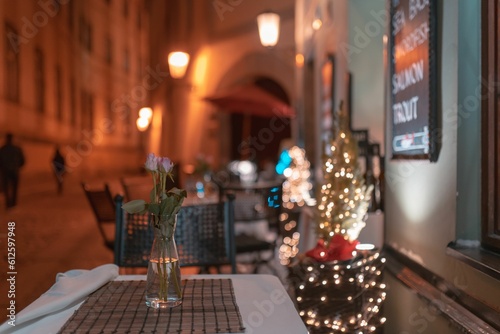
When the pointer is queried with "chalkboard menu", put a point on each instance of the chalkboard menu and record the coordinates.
(413, 85)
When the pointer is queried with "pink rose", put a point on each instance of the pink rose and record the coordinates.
(165, 164)
(151, 162)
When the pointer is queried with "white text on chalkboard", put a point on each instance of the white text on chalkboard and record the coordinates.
(414, 39)
(417, 6)
(407, 77)
(405, 111)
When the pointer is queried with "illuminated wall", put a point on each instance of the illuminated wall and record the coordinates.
(81, 72)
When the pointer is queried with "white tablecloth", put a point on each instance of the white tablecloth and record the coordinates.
(264, 305)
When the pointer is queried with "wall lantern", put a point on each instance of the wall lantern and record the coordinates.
(269, 28)
(177, 63)
(145, 115)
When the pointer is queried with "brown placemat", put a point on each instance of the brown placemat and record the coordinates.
(208, 306)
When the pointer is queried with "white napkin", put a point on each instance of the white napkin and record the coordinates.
(70, 287)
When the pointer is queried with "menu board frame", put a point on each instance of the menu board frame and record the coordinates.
(415, 122)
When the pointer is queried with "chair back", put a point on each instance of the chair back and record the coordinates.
(257, 202)
(103, 206)
(204, 236)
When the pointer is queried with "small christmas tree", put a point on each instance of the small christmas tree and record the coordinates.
(337, 287)
(344, 198)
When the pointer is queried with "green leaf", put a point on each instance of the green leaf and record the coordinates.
(178, 192)
(154, 208)
(163, 207)
(135, 206)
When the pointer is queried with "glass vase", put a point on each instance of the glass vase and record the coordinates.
(163, 286)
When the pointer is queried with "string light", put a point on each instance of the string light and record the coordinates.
(350, 292)
(296, 192)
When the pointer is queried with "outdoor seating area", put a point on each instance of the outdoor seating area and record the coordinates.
(250, 167)
(240, 224)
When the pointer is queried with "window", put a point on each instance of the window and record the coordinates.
(87, 101)
(72, 103)
(70, 14)
(85, 34)
(490, 128)
(110, 115)
(125, 8)
(108, 50)
(126, 60)
(88, 43)
(11, 64)
(39, 81)
(139, 68)
(139, 19)
(59, 97)
(127, 119)
(90, 111)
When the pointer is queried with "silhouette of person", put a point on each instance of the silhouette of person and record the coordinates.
(58, 166)
(11, 161)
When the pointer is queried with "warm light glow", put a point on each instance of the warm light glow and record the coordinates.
(299, 60)
(178, 63)
(146, 113)
(142, 123)
(269, 28)
(317, 24)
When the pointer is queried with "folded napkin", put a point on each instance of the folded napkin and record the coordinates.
(70, 287)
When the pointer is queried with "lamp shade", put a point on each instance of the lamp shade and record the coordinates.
(269, 28)
(177, 63)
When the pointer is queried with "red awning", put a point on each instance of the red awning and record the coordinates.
(250, 99)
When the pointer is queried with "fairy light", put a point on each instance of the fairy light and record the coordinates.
(359, 310)
(296, 188)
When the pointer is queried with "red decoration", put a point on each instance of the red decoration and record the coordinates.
(339, 249)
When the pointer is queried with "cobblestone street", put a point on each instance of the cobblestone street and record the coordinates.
(53, 233)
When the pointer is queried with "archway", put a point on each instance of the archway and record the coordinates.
(259, 138)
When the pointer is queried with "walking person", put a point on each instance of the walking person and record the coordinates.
(58, 166)
(11, 161)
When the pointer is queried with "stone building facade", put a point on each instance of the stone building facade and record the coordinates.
(74, 74)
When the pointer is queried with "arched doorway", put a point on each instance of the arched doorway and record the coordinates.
(259, 138)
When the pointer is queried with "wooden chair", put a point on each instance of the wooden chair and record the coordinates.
(204, 236)
(103, 206)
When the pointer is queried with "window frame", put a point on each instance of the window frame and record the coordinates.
(490, 127)
(12, 67)
(39, 80)
(59, 93)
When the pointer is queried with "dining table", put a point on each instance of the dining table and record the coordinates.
(101, 301)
